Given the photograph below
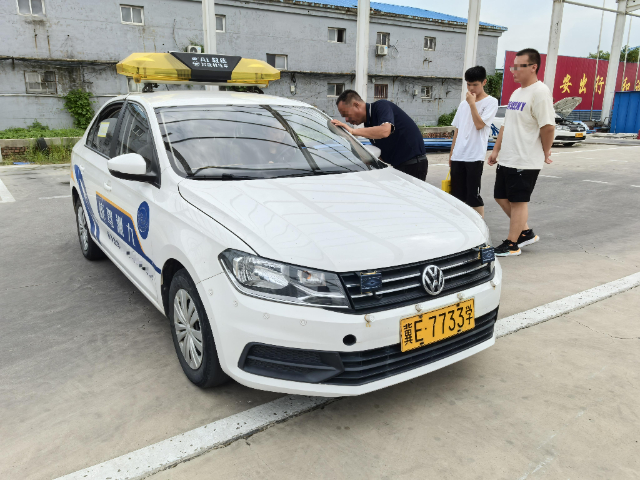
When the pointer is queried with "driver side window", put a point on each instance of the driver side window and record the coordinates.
(135, 134)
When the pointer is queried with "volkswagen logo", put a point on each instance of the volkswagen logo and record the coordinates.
(433, 280)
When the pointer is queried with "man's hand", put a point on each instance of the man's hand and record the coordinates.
(338, 123)
(493, 158)
(471, 98)
(547, 157)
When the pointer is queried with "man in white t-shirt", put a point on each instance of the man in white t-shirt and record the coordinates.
(469, 146)
(524, 145)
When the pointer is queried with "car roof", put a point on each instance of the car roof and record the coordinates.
(175, 98)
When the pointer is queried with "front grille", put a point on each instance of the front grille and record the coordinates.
(357, 368)
(403, 285)
(378, 363)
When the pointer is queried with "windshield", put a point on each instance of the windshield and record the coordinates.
(238, 142)
(501, 111)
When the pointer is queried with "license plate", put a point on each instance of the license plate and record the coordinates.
(579, 135)
(430, 327)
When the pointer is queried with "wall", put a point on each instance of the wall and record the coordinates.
(91, 30)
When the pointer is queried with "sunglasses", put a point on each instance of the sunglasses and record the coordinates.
(520, 65)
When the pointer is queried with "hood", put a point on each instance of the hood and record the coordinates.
(567, 105)
(340, 223)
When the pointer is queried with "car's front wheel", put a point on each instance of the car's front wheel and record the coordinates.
(191, 332)
(89, 248)
(569, 144)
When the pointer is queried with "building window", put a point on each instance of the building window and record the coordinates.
(380, 90)
(278, 61)
(221, 23)
(382, 39)
(337, 35)
(37, 82)
(335, 89)
(429, 43)
(31, 7)
(425, 92)
(132, 15)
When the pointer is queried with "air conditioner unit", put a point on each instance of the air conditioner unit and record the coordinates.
(194, 49)
(416, 92)
(382, 50)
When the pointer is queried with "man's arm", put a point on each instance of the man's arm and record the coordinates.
(374, 133)
(547, 135)
(477, 119)
(453, 145)
(493, 157)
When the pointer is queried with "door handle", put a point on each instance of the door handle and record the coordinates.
(107, 186)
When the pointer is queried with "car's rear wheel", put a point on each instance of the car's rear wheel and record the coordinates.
(191, 332)
(89, 248)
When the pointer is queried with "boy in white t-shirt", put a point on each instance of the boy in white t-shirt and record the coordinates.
(524, 144)
(469, 145)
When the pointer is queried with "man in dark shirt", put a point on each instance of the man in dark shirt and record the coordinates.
(389, 128)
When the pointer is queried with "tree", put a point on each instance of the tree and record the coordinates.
(632, 56)
(494, 85)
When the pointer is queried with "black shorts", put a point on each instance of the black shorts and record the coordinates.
(465, 182)
(515, 184)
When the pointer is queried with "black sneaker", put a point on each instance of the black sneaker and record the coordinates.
(527, 237)
(507, 248)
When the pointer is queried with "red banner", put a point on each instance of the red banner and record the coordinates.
(575, 77)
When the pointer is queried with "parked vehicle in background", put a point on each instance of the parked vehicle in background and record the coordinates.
(568, 132)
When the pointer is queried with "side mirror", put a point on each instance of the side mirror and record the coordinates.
(130, 166)
(373, 150)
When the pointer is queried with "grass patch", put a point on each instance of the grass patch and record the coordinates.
(37, 130)
(55, 154)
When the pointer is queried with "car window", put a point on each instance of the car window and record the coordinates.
(100, 136)
(250, 142)
(501, 111)
(135, 134)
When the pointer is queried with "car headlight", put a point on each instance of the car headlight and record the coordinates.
(279, 282)
(562, 127)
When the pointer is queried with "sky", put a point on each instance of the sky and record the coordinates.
(528, 22)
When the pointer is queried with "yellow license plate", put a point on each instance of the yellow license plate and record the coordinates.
(430, 327)
(579, 135)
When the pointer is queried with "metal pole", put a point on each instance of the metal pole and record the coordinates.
(626, 50)
(362, 48)
(471, 41)
(614, 60)
(593, 95)
(554, 44)
(209, 28)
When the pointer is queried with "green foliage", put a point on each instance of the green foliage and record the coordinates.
(55, 154)
(78, 103)
(494, 85)
(37, 130)
(446, 118)
(632, 55)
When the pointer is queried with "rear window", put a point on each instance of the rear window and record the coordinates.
(252, 142)
(501, 111)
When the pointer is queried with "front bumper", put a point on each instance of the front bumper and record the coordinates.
(238, 320)
(569, 138)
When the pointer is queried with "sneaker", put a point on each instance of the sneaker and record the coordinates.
(527, 237)
(507, 248)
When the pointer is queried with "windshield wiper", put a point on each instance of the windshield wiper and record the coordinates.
(245, 169)
(226, 176)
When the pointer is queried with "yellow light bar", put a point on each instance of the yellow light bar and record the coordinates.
(180, 67)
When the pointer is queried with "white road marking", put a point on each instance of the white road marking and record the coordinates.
(594, 181)
(172, 451)
(637, 186)
(440, 164)
(565, 305)
(549, 176)
(596, 150)
(5, 194)
(57, 196)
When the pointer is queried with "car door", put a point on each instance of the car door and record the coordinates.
(128, 204)
(90, 167)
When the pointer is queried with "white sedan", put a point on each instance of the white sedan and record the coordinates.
(283, 253)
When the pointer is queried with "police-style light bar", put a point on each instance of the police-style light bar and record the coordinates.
(199, 68)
